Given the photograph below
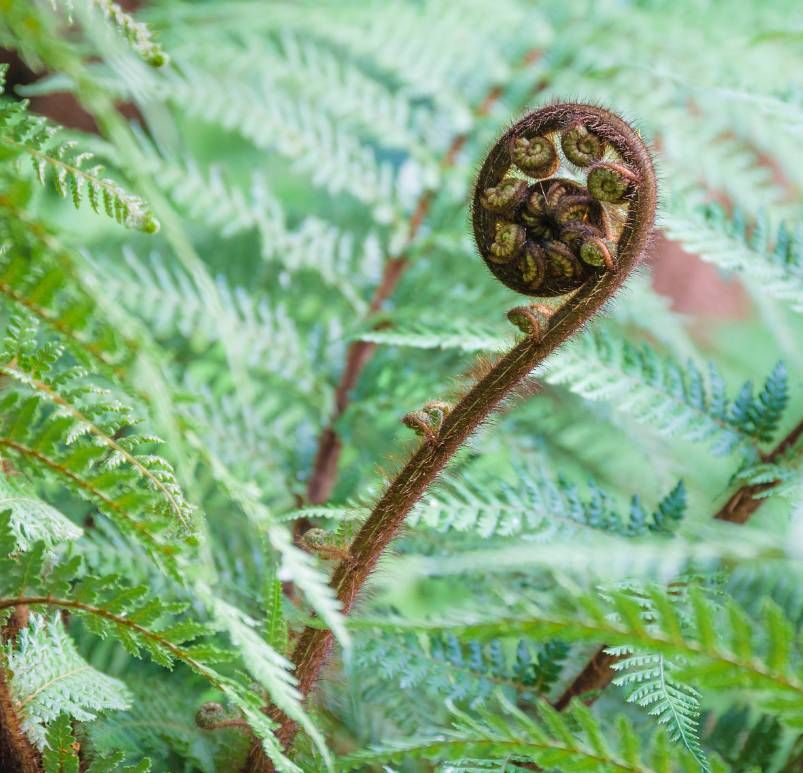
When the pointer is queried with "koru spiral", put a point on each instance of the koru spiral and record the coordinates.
(556, 198)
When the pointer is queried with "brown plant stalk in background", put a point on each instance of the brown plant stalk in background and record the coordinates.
(541, 235)
(324, 470)
(598, 673)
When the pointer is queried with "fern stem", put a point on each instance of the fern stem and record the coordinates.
(746, 500)
(499, 384)
(324, 472)
(597, 674)
(17, 754)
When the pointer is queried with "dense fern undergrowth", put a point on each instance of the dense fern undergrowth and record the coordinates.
(220, 299)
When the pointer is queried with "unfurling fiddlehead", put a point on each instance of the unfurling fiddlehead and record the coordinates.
(541, 234)
(547, 235)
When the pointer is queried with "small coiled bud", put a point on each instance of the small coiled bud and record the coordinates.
(574, 234)
(534, 213)
(535, 156)
(525, 319)
(529, 319)
(504, 197)
(581, 146)
(531, 232)
(610, 182)
(428, 421)
(562, 263)
(319, 541)
(582, 209)
(508, 242)
(210, 715)
(436, 411)
(316, 538)
(532, 265)
(595, 252)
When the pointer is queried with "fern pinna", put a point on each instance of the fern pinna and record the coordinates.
(258, 393)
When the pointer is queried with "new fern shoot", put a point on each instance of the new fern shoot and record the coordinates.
(405, 386)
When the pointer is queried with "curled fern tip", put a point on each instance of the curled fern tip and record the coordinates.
(548, 222)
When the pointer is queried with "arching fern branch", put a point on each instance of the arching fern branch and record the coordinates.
(502, 244)
(58, 421)
(570, 742)
(140, 621)
(61, 162)
(716, 647)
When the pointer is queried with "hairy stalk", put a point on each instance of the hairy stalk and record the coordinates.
(500, 383)
(597, 673)
(324, 470)
(17, 753)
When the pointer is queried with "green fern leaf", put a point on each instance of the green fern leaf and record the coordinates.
(49, 678)
(22, 134)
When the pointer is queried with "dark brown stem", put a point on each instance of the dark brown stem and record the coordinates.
(324, 471)
(17, 754)
(597, 673)
(745, 501)
(500, 383)
(595, 676)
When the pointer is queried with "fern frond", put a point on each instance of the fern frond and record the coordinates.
(275, 625)
(63, 163)
(49, 677)
(263, 335)
(88, 410)
(61, 754)
(339, 258)
(328, 156)
(337, 85)
(296, 565)
(160, 723)
(510, 735)
(637, 380)
(267, 666)
(65, 425)
(674, 704)
(659, 392)
(136, 33)
(716, 649)
(37, 285)
(142, 623)
(414, 46)
(773, 262)
(33, 520)
(447, 667)
(536, 506)
(466, 335)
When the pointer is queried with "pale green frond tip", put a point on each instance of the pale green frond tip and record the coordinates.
(158, 58)
(136, 33)
(150, 224)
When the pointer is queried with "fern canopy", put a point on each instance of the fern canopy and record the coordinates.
(238, 291)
